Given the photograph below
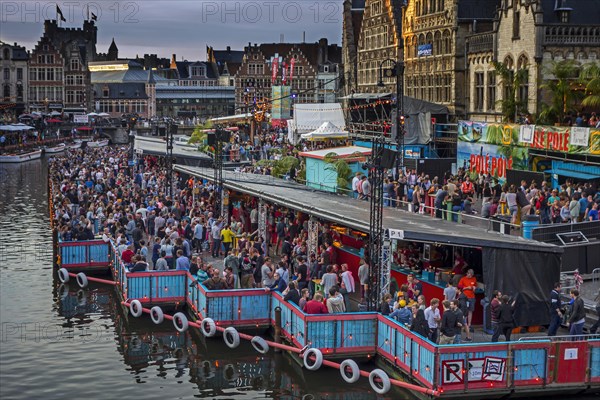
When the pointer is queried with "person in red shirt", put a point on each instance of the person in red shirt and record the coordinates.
(316, 306)
(127, 255)
(467, 187)
(468, 284)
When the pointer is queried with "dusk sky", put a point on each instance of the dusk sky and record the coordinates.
(178, 27)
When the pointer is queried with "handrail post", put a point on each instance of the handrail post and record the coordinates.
(277, 335)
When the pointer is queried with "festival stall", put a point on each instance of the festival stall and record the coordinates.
(322, 174)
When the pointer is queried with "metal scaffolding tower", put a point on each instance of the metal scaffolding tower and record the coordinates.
(376, 234)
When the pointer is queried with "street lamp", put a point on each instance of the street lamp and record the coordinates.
(396, 71)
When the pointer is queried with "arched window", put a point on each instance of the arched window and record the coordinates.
(523, 71)
(447, 44)
(437, 43)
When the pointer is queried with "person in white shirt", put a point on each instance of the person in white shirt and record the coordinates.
(432, 315)
(355, 183)
(348, 284)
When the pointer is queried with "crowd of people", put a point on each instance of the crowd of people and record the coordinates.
(98, 193)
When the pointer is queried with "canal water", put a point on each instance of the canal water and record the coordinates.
(59, 341)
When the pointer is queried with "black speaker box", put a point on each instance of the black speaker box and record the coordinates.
(388, 158)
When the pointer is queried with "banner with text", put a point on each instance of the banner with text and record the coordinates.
(562, 139)
(281, 102)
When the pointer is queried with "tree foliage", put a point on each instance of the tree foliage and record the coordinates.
(342, 169)
(511, 104)
(563, 96)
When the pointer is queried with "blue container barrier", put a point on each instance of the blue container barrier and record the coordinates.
(529, 225)
(595, 362)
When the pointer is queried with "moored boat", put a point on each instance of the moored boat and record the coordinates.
(75, 145)
(55, 149)
(98, 143)
(20, 157)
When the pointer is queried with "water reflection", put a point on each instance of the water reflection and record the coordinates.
(154, 354)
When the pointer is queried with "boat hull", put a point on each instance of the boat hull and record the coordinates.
(100, 143)
(19, 158)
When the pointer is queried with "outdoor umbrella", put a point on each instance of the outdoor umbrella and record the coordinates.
(104, 115)
(84, 128)
(54, 121)
(55, 114)
(92, 114)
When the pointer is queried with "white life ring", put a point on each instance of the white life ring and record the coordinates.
(208, 327)
(63, 291)
(349, 371)
(229, 373)
(380, 387)
(180, 322)
(208, 370)
(231, 337)
(156, 315)
(318, 361)
(63, 275)
(135, 308)
(260, 345)
(81, 298)
(82, 280)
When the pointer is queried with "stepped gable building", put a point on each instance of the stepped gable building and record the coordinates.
(77, 47)
(46, 84)
(253, 79)
(228, 63)
(529, 35)
(353, 17)
(380, 38)
(15, 78)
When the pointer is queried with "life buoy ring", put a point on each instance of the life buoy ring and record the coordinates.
(231, 337)
(208, 370)
(135, 308)
(63, 275)
(208, 327)
(309, 363)
(229, 373)
(81, 299)
(63, 291)
(308, 396)
(180, 322)
(260, 344)
(350, 371)
(156, 315)
(82, 280)
(136, 343)
(384, 385)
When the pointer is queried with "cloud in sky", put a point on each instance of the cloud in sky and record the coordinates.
(182, 27)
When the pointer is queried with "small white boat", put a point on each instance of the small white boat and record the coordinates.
(56, 149)
(74, 145)
(21, 157)
(98, 143)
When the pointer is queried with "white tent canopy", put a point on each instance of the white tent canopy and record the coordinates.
(327, 130)
(309, 117)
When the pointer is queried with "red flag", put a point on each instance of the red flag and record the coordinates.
(283, 72)
(275, 66)
(292, 63)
